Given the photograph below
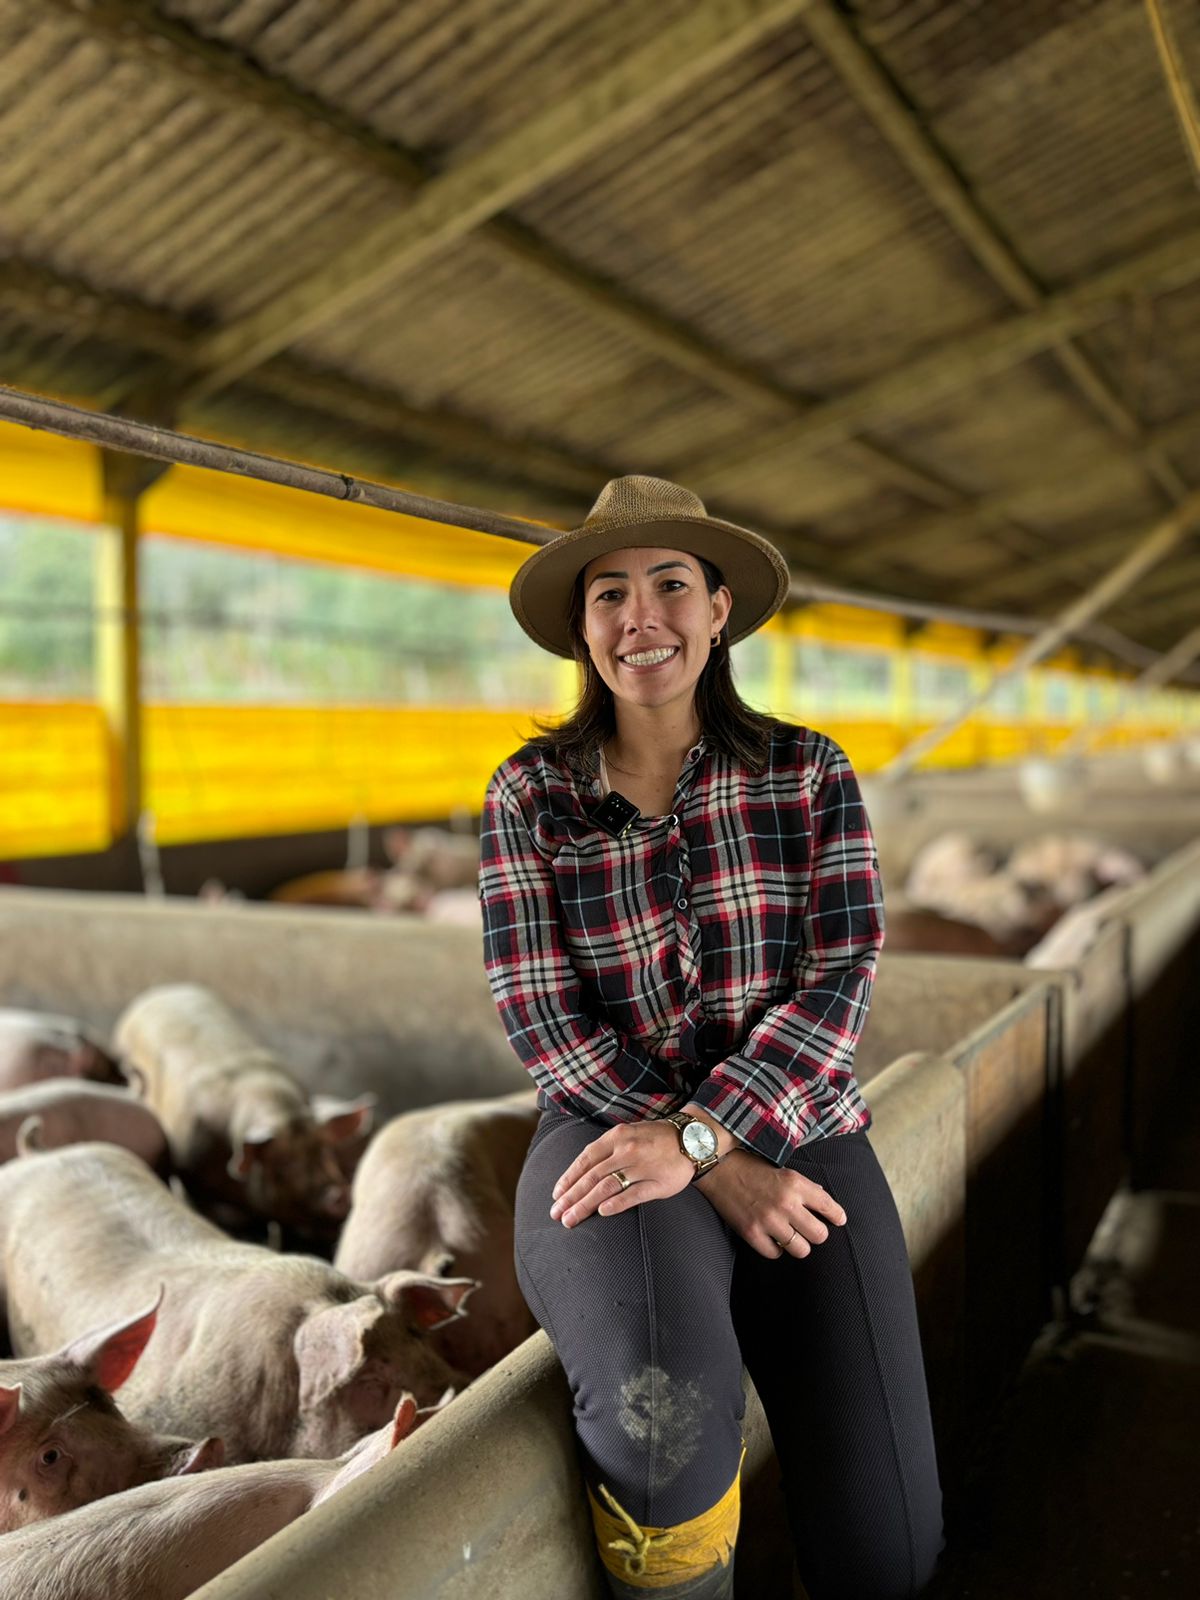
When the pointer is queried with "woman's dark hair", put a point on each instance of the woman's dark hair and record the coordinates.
(729, 724)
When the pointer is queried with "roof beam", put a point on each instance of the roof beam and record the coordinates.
(140, 33)
(882, 98)
(48, 300)
(1178, 600)
(923, 535)
(1154, 545)
(454, 204)
(965, 360)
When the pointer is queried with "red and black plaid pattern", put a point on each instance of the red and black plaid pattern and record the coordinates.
(722, 955)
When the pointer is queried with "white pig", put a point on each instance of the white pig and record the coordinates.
(166, 1540)
(64, 1443)
(435, 1192)
(35, 1045)
(282, 1354)
(71, 1112)
(242, 1132)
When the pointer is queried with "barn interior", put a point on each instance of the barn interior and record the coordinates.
(387, 291)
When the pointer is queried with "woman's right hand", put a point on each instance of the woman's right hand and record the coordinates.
(775, 1210)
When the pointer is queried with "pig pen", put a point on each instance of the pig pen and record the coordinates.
(1150, 823)
(487, 1497)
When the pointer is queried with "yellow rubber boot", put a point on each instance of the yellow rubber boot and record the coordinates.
(691, 1561)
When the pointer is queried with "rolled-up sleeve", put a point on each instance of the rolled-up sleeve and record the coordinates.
(583, 1065)
(792, 1078)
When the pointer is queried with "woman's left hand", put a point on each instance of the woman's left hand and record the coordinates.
(647, 1153)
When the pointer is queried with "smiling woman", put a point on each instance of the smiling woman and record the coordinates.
(687, 988)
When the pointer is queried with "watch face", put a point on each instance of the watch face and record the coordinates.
(699, 1141)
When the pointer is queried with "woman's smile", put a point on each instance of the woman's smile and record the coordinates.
(649, 660)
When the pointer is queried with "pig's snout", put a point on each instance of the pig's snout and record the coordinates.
(197, 1457)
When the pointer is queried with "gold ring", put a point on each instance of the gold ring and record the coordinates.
(621, 1178)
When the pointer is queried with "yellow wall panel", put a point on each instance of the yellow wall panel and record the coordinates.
(226, 771)
(53, 779)
(190, 503)
(47, 476)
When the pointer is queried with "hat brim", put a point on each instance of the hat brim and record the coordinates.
(753, 569)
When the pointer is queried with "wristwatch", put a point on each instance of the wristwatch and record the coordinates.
(697, 1141)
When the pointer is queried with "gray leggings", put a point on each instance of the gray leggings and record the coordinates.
(652, 1314)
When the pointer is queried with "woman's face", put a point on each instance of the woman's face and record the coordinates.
(648, 620)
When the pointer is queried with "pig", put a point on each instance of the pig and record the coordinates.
(435, 1193)
(436, 858)
(164, 1541)
(354, 888)
(63, 1442)
(69, 1112)
(243, 1134)
(36, 1045)
(283, 1353)
(912, 928)
(1071, 868)
(942, 866)
(459, 906)
(1074, 934)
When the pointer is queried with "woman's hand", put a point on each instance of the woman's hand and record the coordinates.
(772, 1208)
(647, 1153)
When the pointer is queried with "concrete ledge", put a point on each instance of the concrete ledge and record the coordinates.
(352, 1002)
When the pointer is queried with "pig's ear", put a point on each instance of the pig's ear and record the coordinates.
(426, 1303)
(329, 1348)
(403, 1421)
(343, 1119)
(252, 1148)
(10, 1406)
(201, 1457)
(108, 1355)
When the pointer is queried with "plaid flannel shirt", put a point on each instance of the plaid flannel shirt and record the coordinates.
(722, 955)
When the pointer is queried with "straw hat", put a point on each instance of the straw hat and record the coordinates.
(641, 511)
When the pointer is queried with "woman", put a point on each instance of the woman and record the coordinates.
(682, 916)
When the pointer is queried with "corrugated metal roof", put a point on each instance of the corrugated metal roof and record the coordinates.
(705, 257)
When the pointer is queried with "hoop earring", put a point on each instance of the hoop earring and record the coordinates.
(716, 638)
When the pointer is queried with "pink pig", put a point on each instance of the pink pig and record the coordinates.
(63, 1443)
(70, 1112)
(282, 1355)
(435, 1192)
(35, 1045)
(243, 1133)
(167, 1540)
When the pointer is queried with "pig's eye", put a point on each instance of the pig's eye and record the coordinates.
(51, 1456)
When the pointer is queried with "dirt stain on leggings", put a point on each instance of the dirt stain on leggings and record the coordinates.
(667, 1414)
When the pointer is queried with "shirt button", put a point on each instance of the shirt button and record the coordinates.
(682, 903)
(673, 820)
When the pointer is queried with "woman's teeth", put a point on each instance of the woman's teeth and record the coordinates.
(649, 658)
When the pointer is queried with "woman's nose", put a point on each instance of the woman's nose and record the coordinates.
(640, 612)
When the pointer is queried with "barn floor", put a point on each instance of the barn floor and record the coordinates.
(1092, 1481)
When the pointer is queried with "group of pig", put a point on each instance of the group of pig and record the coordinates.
(964, 897)
(251, 1383)
(433, 873)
